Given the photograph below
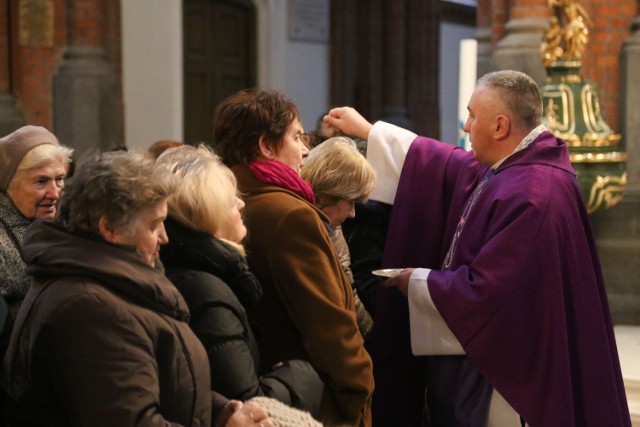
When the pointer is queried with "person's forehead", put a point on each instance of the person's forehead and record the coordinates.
(156, 211)
(295, 125)
(47, 170)
(480, 92)
(484, 97)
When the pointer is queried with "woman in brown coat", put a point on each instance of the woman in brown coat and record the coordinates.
(307, 310)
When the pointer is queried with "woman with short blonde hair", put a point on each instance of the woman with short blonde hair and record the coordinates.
(207, 194)
(336, 170)
(205, 260)
(341, 177)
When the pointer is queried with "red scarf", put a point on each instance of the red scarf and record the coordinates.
(277, 173)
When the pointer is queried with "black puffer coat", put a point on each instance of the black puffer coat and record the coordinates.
(215, 280)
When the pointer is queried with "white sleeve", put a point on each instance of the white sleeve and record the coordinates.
(387, 147)
(430, 335)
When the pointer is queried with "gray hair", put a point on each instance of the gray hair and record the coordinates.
(118, 185)
(520, 94)
(44, 155)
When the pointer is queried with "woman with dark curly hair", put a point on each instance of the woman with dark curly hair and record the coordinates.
(307, 311)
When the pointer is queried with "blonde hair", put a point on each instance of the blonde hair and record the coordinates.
(207, 191)
(336, 170)
(45, 154)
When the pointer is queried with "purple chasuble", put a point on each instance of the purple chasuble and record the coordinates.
(524, 292)
(416, 238)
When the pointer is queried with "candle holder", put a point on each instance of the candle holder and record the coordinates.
(572, 109)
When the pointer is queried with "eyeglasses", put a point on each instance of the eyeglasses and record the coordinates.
(305, 138)
(310, 139)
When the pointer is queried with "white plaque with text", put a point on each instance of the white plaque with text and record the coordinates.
(309, 20)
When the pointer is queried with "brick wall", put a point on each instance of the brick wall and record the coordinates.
(600, 63)
(32, 68)
(96, 23)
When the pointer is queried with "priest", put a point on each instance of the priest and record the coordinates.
(505, 293)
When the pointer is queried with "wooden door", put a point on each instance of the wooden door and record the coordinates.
(219, 59)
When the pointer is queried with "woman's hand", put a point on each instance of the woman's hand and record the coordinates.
(248, 414)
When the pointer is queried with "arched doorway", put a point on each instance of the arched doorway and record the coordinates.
(219, 58)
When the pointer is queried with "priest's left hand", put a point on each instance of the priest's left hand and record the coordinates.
(400, 280)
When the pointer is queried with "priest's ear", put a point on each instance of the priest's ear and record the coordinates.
(266, 148)
(502, 127)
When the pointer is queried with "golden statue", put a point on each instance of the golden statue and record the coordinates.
(551, 47)
(568, 32)
(572, 109)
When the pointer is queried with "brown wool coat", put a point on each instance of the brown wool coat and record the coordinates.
(307, 310)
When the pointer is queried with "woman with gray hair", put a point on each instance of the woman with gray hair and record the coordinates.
(341, 177)
(102, 338)
(33, 166)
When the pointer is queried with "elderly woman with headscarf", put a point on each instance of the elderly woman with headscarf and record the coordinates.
(102, 337)
(33, 166)
(307, 310)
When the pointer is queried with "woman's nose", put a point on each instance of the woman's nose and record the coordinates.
(162, 237)
(53, 190)
(240, 203)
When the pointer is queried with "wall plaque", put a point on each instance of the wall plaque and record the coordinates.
(309, 20)
(35, 23)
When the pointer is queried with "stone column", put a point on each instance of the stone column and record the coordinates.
(345, 40)
(483, 36)
(519, 49)
(423, 76)
(10, 118)
(394, 74)
(486, 63)
(85, 87)
(630, 99)
(618, 229)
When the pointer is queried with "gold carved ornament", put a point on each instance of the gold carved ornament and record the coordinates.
(607, 190)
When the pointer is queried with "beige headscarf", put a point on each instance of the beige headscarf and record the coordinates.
(16, 145)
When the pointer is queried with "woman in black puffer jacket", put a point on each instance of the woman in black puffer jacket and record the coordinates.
(206, 263)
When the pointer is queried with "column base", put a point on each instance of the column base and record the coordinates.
(520, 48)
(617, 233)
(10, 118)
(87, 111)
